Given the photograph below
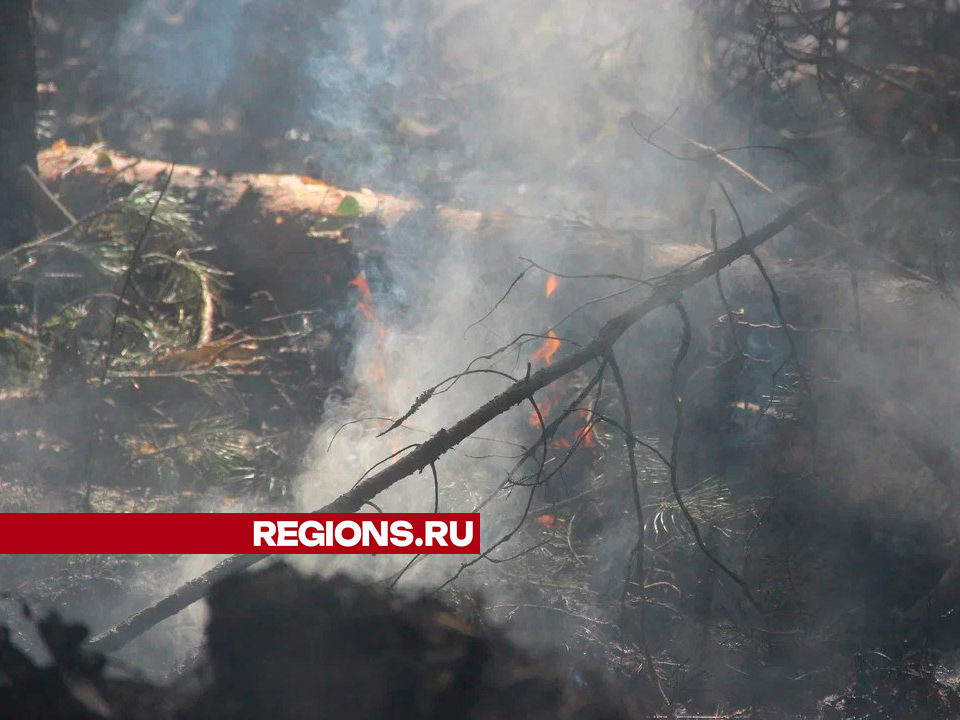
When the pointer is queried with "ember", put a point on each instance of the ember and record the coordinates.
(551, 286)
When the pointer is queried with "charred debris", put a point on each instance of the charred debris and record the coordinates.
(281, 645)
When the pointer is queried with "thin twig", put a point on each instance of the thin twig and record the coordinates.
(775, 299)
(500, 301)
(788, 333)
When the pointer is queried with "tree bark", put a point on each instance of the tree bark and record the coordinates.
(264, 226)
(18, 107)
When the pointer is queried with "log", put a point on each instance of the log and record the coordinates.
(81, 175)
(280, 233)
(287, 647)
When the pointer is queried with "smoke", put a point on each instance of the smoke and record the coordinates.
(516, 110)
(508, 122)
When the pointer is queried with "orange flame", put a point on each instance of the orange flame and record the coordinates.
(545, 354)
(360, 282)
(376, 371)
(365, 303)
(551, 287)
(546, 406)
(548, 349)
(551, 522)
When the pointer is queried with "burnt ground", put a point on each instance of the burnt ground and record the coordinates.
(281, 645)
(284, 646)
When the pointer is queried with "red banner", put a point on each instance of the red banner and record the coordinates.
(239, 533)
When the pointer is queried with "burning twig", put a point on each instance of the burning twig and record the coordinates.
(445, 439)
(636, 440)
(519, 341)
(546, 434)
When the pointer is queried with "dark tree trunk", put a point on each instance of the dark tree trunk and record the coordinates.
(18, 106)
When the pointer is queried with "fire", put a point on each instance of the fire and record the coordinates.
(551, 286)
(546, 407)
(554, 395)
(548, 349)
(551, 522)
(545, 354)
(376, 371)
(365, 303)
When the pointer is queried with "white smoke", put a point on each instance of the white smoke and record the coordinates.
(514, 110)
(534, 95)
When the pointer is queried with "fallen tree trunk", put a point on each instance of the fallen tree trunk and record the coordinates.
(280, 233)
(664, 293)
(81, 175)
